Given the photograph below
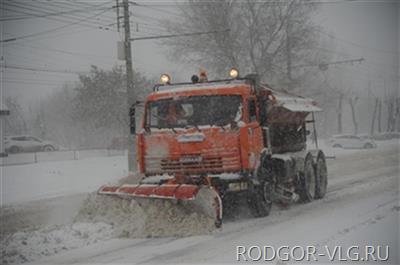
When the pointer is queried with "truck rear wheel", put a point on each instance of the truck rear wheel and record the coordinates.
(321, 172)
(260, 200)
(308, 183)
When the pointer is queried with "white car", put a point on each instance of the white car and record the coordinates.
(352, 141)
(26, 143)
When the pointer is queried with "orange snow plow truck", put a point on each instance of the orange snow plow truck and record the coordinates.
(226, 139)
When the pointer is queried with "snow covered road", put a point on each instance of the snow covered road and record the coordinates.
(361, 208)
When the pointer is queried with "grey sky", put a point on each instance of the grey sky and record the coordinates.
(368, 29)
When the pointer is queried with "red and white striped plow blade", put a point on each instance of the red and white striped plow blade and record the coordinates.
(204, 198)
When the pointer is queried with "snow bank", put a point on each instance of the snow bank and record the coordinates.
(103, 217)
(25, 183)
(28, 246)
(125, 216)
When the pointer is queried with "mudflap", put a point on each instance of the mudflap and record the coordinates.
(203, 199)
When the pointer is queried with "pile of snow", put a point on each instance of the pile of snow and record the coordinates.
(23, 247)
(166, 218)
(135, 218)
(124, 216)
(103, 217)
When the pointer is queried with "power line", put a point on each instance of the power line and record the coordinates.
(380, 65)
(179, 35)
(49, 14)
(35, 69)
(58, 34)
(62, 18)
(103, 19)
(51, 30)
(30, 73)
(354, 43)
(154, 8)
(38, 10)
(106, 19)
(41, 58)
(45, 48)
(147, 26)
(16, 81)
(19, 57)
(50, 79)
(158, 21)
(324, 66)
(84, 4)
(272, 3)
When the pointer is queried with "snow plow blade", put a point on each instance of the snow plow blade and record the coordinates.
(204, 198)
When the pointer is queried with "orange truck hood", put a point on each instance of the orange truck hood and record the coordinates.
(210, 150)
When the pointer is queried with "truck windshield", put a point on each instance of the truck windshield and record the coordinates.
(193, 111)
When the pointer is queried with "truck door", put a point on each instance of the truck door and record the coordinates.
(254, 130)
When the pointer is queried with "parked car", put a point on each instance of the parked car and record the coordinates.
(352, 141)
(26, 143)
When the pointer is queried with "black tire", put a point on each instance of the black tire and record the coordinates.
(14, 149)
(321, 173)
(368, 146)
(48, 148)
(337, 146)
(308, 181)
(260, 200)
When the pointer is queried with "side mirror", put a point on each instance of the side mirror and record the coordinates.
(308, 132)
(132, 120)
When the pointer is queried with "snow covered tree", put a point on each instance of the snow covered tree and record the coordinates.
(101, 98)
(15, 123)
(269, 38)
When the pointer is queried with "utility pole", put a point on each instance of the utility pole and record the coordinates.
(129, 84)
(117, 9)
(339, 114)
(288, 55)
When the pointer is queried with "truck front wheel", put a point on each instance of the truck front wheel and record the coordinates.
(260, 200)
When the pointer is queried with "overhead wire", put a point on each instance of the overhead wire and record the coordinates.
(50, 30)
(38, 10)
(38, 57)
(72, 53)
(354, 43)
(44, 15)
(85, 4)
(22, 10)
(36, 69)
(136, 4)
(104, 19)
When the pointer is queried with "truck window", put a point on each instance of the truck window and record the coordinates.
(215, 110)
(252, 110)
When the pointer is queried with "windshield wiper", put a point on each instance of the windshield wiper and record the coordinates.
(219, 124)
(193, 125)
(172, 128)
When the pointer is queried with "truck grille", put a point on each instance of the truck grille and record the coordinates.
(214, 164)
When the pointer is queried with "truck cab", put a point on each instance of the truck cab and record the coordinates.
(200, 129)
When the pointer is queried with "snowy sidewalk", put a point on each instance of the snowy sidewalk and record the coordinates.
(51, 179)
